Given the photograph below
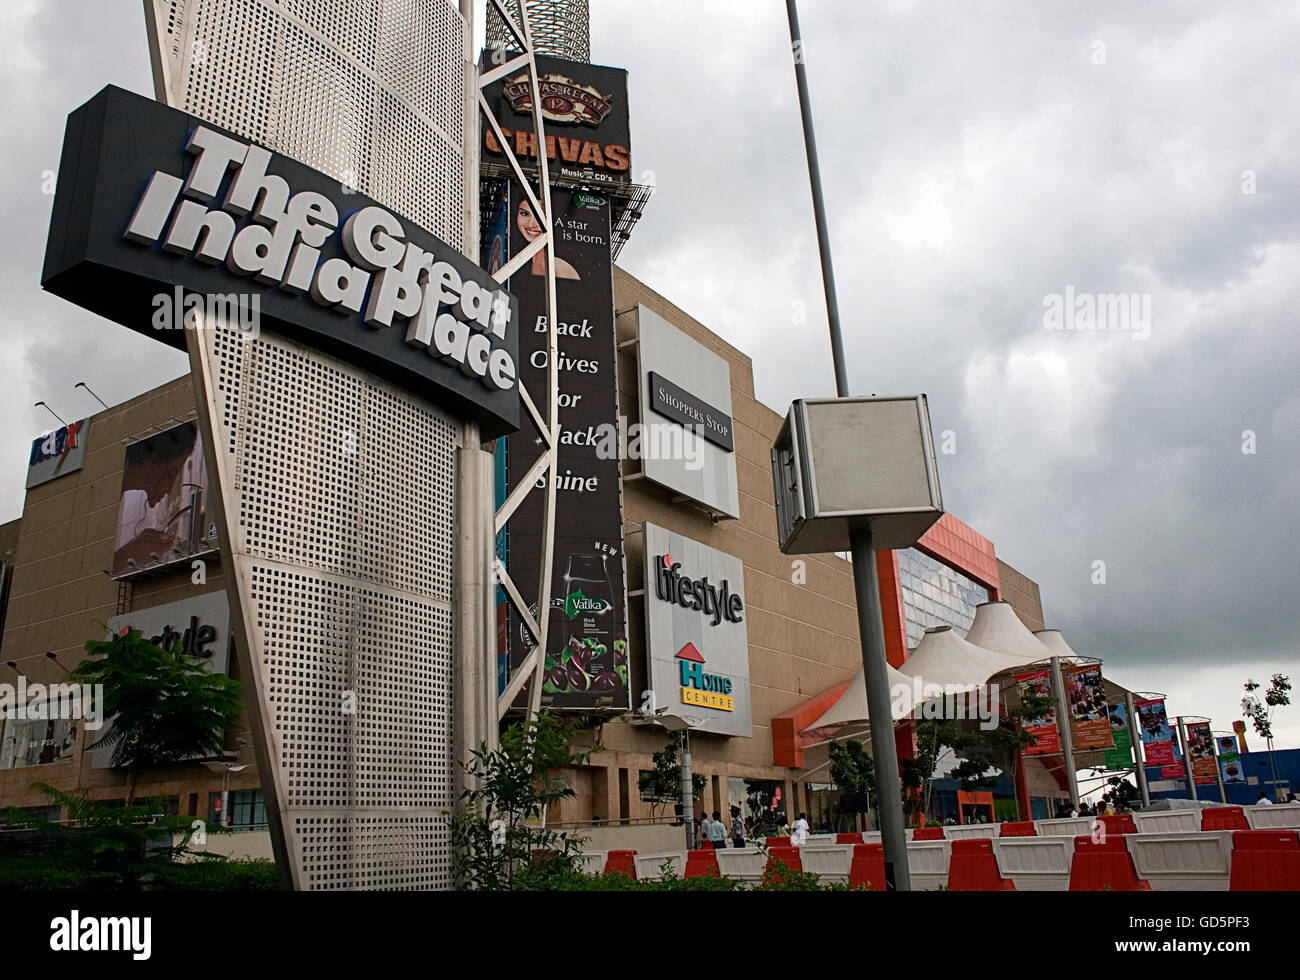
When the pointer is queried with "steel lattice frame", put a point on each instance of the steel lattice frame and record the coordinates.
(547, 419)
(558, 27)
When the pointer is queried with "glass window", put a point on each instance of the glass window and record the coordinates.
(824, 814)
(52, 813)
(37, 741)
(762, 804)
(247, 809)
(935, 595)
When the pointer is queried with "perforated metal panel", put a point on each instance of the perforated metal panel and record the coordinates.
(338, 497)
(368, 92)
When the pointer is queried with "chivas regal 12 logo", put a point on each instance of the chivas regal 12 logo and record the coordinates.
(563, 99)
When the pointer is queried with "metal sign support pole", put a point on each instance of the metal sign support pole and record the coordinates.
(1187, 758)
(1218, 770)
(688, 791)
(870, 621)
(1066, 730)
(1135, 736)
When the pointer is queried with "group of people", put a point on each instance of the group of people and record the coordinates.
(1102, 808)
(1263, 800)
(715, 833)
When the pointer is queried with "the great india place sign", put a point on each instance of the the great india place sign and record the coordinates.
(334, 431)
(158, 213)
(696, 633)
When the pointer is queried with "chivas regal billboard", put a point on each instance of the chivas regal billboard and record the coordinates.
(585, 113)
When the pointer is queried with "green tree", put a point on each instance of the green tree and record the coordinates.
(118, 847)
(981, 752)
(493, 834)
(663, 783)
(852, 768)
(1260, 711)
(164, 707)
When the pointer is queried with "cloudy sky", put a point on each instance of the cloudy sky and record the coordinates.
(979, 160)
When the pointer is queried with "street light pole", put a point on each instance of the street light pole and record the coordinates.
(688, 791)
(870, 621)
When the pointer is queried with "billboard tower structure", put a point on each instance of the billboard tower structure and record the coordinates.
(561, 28)
(570, 647)
(358, 648)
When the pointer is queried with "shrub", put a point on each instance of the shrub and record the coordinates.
(235, 875)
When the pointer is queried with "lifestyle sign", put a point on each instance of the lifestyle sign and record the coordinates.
(696, 636)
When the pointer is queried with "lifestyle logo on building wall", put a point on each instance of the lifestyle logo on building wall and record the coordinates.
(696, 631)
(716, 601)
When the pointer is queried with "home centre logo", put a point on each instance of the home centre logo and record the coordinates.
(280, 242)
(563, 99)
(700, 688)
(719, 602)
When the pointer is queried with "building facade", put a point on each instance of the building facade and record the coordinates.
(799, 612)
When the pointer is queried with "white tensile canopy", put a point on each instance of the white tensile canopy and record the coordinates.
(851, 708)
(943, 657)
(998, 628)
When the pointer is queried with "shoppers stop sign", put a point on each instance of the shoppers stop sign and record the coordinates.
(695, 632)
(151, 199)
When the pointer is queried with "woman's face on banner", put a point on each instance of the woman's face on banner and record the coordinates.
(527, 221)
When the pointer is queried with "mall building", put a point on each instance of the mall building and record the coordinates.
(115, 532)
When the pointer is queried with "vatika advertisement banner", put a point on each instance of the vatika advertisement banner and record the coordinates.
(586, 658)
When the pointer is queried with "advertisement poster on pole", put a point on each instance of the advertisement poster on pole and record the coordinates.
(1157, 737)
(1175, 769)
(1047, 740)
(1121, 755)
(1087, 700)
(1229, 759)
(1200, 744)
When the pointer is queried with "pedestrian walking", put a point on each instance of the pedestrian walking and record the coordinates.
(800, 830)
(718, 832)
(737, 828)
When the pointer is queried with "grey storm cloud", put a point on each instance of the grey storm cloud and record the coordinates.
(978, 158)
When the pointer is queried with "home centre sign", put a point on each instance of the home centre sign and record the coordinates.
(150, 199)
(695, 632)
